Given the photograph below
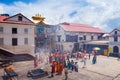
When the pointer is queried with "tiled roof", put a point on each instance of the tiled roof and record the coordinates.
(74, 27)
(118, 28)
(115, 29)
(3, 20)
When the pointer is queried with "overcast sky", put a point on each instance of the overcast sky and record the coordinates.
(104, 14)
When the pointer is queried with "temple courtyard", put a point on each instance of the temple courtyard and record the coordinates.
(106, 68)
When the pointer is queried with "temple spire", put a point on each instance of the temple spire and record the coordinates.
(38, 18)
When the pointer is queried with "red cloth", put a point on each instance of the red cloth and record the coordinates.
(35, 63)
(53, 67)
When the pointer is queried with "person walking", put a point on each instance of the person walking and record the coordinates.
(84, 60)
(66, 73)
(69, 64)
(94, 60)
(83, 54)
(60, 68)
(76, 67)
(53, 69)
(118, 57)
(89, 54)
(72, 65)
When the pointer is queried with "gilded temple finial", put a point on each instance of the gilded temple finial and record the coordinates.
(38, 18)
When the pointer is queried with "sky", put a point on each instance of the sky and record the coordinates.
(104, 14)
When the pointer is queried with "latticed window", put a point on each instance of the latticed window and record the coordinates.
(115, 32)
(1, 29)
(115, 38)
(14, 42)
(80, 38)
(26, 41)
(26, 31)
(1, 41)
(59, 38)
(14, 30)
(67, 38)
(92, 37)
(71, 38)
(19, 18)
(84, 37)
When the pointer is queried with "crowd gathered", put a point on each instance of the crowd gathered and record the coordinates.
(64, 62)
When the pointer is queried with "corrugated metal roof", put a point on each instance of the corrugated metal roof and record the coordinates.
(80, 28)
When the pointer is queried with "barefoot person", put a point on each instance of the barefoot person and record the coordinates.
(84, 59)
(66, 73)
(60, 69)
(94, 60)
(53, 69)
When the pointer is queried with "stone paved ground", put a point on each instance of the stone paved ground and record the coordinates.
(107, 68)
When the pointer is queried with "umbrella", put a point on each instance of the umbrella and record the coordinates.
(96, 48)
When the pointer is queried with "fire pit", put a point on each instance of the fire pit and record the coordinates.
(37, 73)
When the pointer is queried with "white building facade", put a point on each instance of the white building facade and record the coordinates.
(17, 33)
(114, 42)
(72, 36)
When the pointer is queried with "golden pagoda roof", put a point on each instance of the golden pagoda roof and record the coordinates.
(38, 18)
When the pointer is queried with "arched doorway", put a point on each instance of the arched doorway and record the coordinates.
(115, 49)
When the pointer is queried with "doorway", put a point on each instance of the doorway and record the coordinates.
(115, 49)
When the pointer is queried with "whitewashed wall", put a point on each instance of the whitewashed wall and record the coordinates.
(7, 35)
(67, 45)
(15, 18)
(111, 41)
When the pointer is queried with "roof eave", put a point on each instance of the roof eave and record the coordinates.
(19, 23)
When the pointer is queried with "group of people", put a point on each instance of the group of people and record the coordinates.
(60, 63)
(84, 56)
(56, 67)
(72, 65)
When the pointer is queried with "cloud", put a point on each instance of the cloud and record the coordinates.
(72, 13)
(98, 13)
(1, 9)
